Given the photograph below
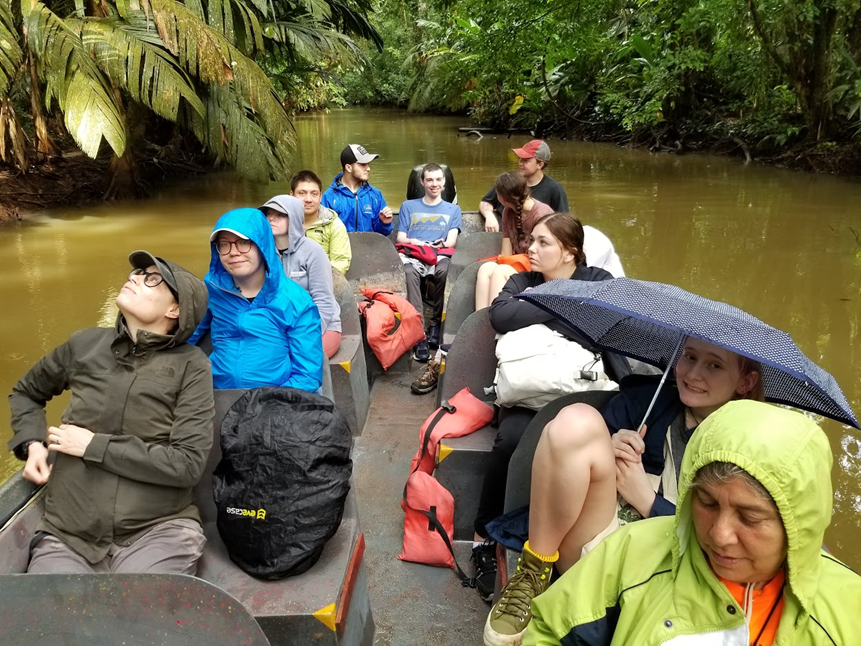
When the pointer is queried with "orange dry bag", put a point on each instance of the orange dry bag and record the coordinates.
(427, 505)
(388, 339)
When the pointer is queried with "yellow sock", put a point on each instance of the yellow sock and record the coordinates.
(546, 559)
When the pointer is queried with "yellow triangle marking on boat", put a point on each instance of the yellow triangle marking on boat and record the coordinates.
(326, 616)
(442, 320)
(398, 315)
(442, 366)
(345, 365)
(444, 451)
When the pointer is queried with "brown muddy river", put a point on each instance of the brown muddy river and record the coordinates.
(784, 246)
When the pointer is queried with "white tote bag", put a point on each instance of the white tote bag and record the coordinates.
(537, 365)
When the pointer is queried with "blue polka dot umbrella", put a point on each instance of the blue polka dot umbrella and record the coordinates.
(648, 321)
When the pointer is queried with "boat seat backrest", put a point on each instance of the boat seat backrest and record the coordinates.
(520, 466)
(461, 301)
(346, 299)
(471, 247)
(376, 263)
(471, 360)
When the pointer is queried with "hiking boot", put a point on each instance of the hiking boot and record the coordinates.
(508, 619)
(421, 353)
(484, 558)
(433, 337)
(428, 380)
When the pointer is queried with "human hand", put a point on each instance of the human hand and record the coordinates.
(633, 485)
(36, 470)
(69, 439)
(386, 215)
(491, 223)
(629, 445)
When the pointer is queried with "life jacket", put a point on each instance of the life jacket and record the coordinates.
(519, 261)
(388, 338)
(427, 505)
(426, 253)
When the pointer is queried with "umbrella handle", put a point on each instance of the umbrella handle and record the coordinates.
(661, 384)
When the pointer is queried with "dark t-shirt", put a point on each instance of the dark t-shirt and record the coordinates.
(548, 190)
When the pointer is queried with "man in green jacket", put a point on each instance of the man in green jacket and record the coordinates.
(134, 438)
(322, 224)
(699, 577)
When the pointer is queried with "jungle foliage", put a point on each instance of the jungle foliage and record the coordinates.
(119, 75)
(766, 74)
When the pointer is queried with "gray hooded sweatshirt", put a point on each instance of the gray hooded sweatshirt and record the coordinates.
(306, 263)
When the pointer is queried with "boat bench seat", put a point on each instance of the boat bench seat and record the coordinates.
(350, 384)
(472, 246)
(376, 264)
(462, 462)
(460, 303)
(328, 604)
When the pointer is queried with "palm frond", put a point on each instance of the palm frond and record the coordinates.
(200, 50)
(231, 132)
(90, 108)
(135, 59)
(222, 66)
(309, 41)
(11, 54)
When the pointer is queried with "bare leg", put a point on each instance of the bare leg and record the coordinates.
(497, 281)
(482, 285)
(573, 495)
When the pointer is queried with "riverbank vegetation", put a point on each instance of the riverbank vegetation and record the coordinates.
(147, 86)
(777, 80)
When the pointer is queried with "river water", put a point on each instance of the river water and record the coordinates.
(784, 246)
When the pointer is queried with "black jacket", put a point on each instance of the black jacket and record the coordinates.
(508, 313)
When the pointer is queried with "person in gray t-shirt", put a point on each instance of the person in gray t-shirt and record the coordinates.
(533, 159)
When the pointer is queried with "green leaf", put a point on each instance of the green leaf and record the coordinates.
(135, 59)
(90, 109)
(643, 49)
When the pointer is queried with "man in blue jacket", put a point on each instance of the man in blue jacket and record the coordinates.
(360, 206)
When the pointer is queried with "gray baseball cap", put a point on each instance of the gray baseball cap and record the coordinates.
(356, 153)
(144, 259)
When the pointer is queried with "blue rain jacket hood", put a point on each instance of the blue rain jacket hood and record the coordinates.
(358, 211)
(306, 263)
(272, 340)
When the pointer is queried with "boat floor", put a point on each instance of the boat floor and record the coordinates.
(412, 604)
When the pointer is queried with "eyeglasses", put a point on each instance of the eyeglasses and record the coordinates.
(242, 246)
(151, 278)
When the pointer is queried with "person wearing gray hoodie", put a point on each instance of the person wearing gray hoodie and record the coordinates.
(306, 263)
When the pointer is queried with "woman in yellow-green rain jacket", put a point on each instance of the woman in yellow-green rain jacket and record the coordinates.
(655, 582)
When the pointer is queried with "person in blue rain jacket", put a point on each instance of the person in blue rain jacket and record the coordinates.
(265, 328)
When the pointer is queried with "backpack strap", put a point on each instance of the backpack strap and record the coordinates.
(433, 521)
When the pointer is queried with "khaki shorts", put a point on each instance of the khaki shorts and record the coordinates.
(615, 524)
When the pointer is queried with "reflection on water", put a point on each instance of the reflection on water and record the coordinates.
(780, 245)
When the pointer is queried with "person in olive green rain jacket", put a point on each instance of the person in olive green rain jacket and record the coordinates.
(741, 563)
(133, 440)
(322, 224)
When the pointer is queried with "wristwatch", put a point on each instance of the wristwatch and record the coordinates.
(22, 451)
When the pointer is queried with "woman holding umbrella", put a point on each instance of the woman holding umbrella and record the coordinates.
(588, 460)
(741, 562)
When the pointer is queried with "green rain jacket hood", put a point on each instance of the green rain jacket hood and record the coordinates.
(150, 406)
(650, 582)
(790, 456)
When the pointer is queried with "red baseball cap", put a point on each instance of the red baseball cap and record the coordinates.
(535, 148)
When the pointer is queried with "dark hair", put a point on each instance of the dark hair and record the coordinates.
(513, 188)
(430, 167)
(305, 176)
(568, 233)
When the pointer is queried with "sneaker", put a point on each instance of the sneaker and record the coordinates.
(508, 619)
(428, 380)
(433, 337)
(484, 558)
(421, 352)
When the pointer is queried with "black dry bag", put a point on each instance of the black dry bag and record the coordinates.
(282, 481)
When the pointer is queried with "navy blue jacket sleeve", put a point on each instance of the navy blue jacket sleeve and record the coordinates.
(662, 507)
